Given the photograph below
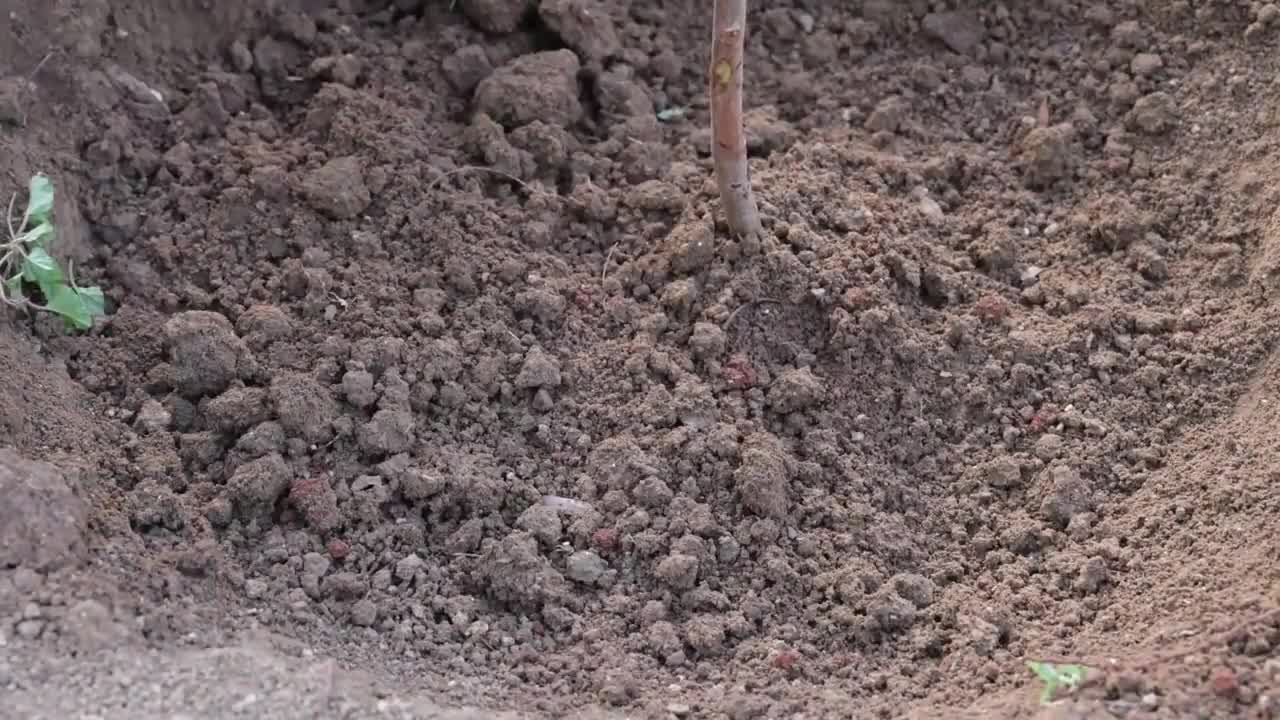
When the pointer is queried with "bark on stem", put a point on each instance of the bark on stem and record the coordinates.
(728, 140)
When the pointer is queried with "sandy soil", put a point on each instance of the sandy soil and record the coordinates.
(431, 378)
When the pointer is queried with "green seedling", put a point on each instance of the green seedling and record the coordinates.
(27, 267)
(672, 114)
(1057, 678)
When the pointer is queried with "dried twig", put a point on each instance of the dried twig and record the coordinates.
(31, 78)
(482, 169)
(728, 140)
(749, 304)
(604, 271)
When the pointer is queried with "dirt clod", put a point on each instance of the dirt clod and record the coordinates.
(495, 16)
(337, 188)
(1154, 113)
(205, 352)
(255, 486)
(543, 523)
(388, 432)
(314, 497)
(795, 390)
(305, 408)
(466, 67)
(539, 86)
(678, 571)
(42, 519)
(262, 325)
(585, 567)
(961, 31)
(584, 25)
(539, 370)
(1069, 495)
(14, 93)
(762, 478)
(515, 572)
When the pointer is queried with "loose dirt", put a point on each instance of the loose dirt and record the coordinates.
(431, 370)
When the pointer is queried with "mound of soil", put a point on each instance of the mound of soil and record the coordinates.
(428, 351)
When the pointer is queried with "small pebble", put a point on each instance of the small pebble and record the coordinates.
(30, 629)
(255, 588)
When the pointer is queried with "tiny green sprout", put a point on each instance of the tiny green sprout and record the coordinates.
(671, 114)
(27, 266)
(1057, 678)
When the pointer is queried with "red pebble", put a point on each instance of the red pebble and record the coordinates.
(991, 308)
(338, 549)
(605, 539)
(1224, 682)
(786, 659)
(739, 373)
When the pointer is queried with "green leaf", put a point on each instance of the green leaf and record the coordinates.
(94, 302)
(68, 303)
(40, 268)
(38, 236)
(1056, 677)
(671, 114)
(40, 199)
(13, 288)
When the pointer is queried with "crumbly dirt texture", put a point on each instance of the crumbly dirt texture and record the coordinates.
(431, 371)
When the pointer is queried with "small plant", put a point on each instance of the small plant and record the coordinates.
(1057, 678)
(26, 265)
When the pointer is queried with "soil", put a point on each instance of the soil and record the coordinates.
(428, 354)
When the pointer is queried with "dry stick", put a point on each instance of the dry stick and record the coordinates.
(604, 271)
(30, 83)
(728, 141)
(482, 169)
(749, 304)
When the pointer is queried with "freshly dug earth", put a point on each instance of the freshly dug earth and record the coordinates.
(428, 352)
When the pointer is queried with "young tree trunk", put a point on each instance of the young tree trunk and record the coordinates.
(728, 141)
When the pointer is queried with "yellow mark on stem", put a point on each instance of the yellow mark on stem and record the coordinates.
(724, 73)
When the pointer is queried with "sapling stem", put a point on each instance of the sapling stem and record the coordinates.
(728, 141)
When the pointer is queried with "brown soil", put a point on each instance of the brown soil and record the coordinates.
(998, 385)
